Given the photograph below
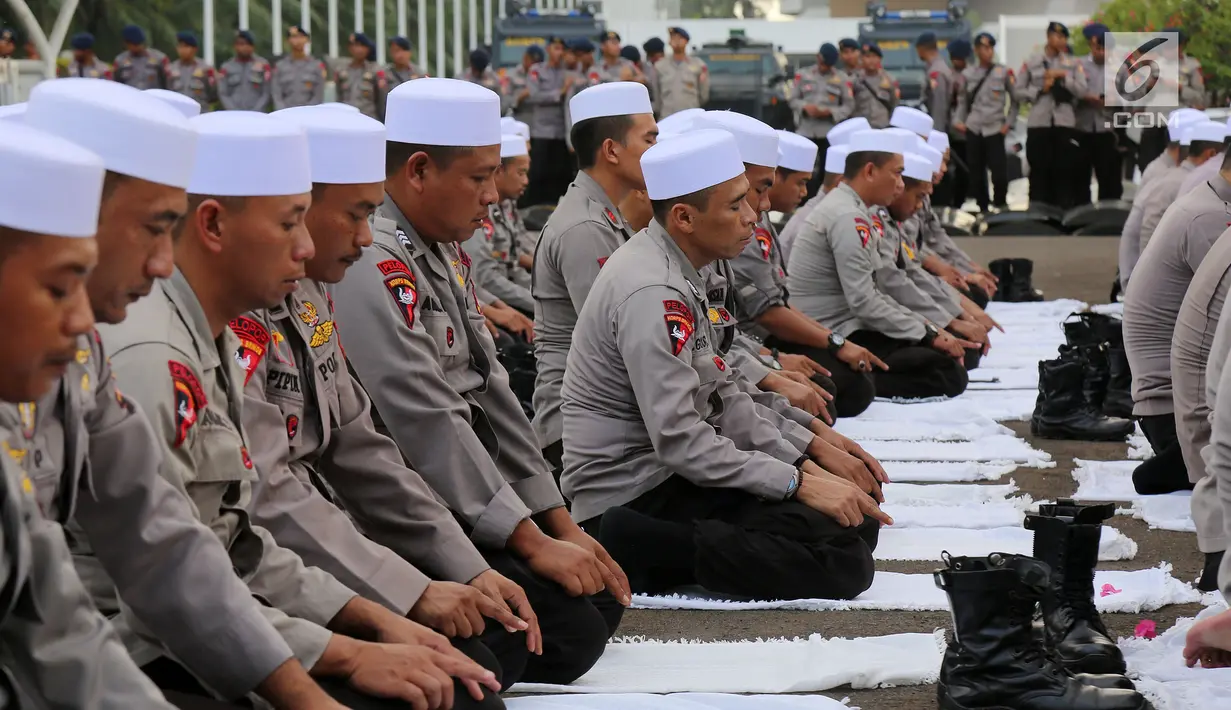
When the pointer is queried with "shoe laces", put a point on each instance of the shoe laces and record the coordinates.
(1077, 590)
(1021, 617)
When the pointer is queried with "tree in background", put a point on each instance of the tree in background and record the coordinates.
(697, 9)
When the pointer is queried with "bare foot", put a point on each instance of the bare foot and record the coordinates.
(1209, 642)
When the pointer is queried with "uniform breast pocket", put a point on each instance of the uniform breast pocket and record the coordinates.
(440, 327)
(234, 80)
(833, 91)
(219, 451)
(706, 364)
(257, 78)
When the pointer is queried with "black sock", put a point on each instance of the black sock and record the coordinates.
(1209, 576)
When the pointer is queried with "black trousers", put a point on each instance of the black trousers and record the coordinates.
(818, 174)
(1164, 472)
(976, 294)
(954, 187)
(915, 371)
(853, 391)
(1054, 156)
(760, 549)
(986, 154)
(1100, 156)
(552, 168)
(973, 355)
(575, 629)
(1153, 143)
(186, 692)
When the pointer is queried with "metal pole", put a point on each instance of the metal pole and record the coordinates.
(275, 26)
(487, 22)
(441, 71)
(457, 36)
(401, 18)
(207, 28)
(501, 10)
(305, 15)
(380, 31)
(243, 14)
(333, 28)
(472, 19)
(421, 22)
(359, 15)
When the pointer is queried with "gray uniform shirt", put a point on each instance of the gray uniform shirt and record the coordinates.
(647, 396)
(191, 389)
(1092, 118)
(95, 461)
(929, 232)
(1045, 109)
(1162, 277)
(910, 258)
(547, 97)
(419, 346)
(95, 69)
(319, 454)
(938, 92)
(828, 90)
(578, 238)
(1202, 174)
(299, 82)
(1158, 198)
(1217, 455)
(760, 277)
(395, 75)
(245, 85)
(982, 97)
(876, 96)
(493, 252)
(832, 267)
(786, 239)
(518, 79)
(362, 86)
(147, 70)
(893, 279)
(56, 650)
(196, 80)
(680, 84)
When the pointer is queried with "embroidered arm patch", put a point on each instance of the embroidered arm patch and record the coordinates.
(680, 324)
(864, 231)
(253, 342)
(764, 241)
(401, 285)
(189, 399)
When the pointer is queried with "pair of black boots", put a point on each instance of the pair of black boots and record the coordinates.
(1014, 280)
(1086, 393)
(998, 659)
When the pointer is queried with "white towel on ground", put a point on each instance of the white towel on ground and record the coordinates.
(1104, 480)
(929, 543)
(1015, 378)
(1109, 309)
(1165, 680)
(971, 516)
(782, 666)
(945, 471)
(1166, 512)
(1005, 312)
(1114, 592)
(1002, 405)
(860, 429)
(1002, 449)
(676, 701)
(947, 494)
(1139, 448)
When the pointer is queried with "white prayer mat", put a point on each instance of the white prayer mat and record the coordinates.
(948, 494)
(860, 429)
(1016, 378)
(1056, 310)
(1157, 665)
(1104, 480)
(1109, 309)
(1114, 592)
(781, 666)
(1166, 512)
(945, 471)
(934, 411)
(929, 543)
(1017, 359)
(1002, 405)
(677, 701)
(1139, 448)
(1000, 449)
(971, 516)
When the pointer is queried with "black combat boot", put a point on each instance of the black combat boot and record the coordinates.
(1002, 269)
(994, 662)
(1066, 537)
(1021, 287)
(1119, 400)
(1062, 410)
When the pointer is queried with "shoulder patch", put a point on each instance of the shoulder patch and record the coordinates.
(878, 226)
(253, 341)
(393, 266)
(680, 324)
(865, 232)
(401, 286)
(764, 241)
(189, 399)
(488, 228)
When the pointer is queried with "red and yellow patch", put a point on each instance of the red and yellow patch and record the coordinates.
(489, 229)
(761, 234)
(189, 399)
(243, 451)
(292, 426)
(680, 324)
(864, 231)
(878, 226)
(253, 342)
(401, 285)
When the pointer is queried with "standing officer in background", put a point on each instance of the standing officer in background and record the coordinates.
(1052, 82)
(85, 63)
(189, 75)
(682, 81)
(517, 87)
(585, 74)
(982, 119)
(614, 67)
(876, 91)
(1099, 148)
(299, 78)
(480, 72)
(938, 88)
(400, 68)
(139, 66)
(851, 54)
(955, 185)
(654, 49)
(551, 166)
(823, 100)
(361, 82)
(244, 80)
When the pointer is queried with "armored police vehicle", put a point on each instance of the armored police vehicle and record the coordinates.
(749, 77)
(513, 34)
(896, 31)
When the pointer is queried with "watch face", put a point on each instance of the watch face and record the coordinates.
(838, 340)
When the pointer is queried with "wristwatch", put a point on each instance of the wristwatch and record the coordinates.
(773, 359)
(835, 342)
(793, 486)
(930, 336)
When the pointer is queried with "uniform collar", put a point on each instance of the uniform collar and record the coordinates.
(677, 255)
(846, 189)
(767, 224)
(596, 192)
(413, 243)
(1222, 188)
(186, 303)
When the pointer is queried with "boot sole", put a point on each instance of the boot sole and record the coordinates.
(1063, 435)
(947, 703)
